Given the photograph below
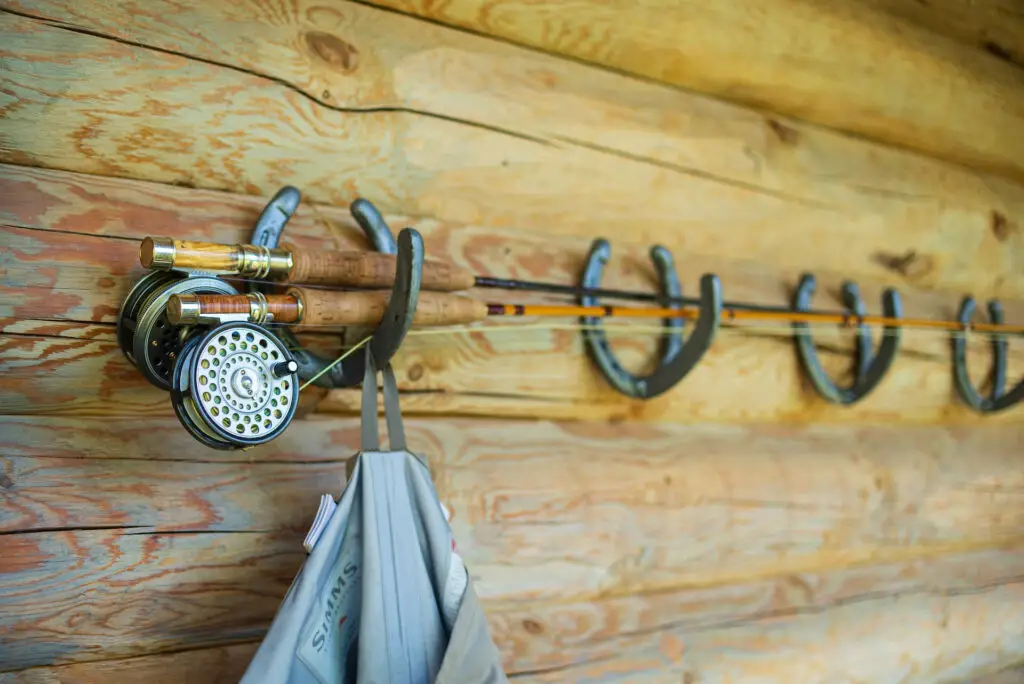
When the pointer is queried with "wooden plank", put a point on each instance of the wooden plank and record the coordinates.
(163, 439)
(914, 639)
(121, 594)
(49, 493)
(89, 594)
(995, 26)
(224, 665)
(43, 374)
(83, 208)
(894, 82)
(51, 328)
(548, 637)
(76, 277)
(218, 665)
(554, 378)
(703, 505)
(723, 526)
(773, 186)
(742, 378)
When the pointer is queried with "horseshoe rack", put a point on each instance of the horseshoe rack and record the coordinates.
(233, 370)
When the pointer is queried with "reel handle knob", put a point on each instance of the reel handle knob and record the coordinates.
(284, 368)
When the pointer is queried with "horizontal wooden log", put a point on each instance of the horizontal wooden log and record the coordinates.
(312, 440)
(848, 66)
(216, 665)
(995, 26)
(225, 665)
(92, 594)
(742, 378)
(727, 182)
(74, 277)
(114, 594)
(552, 636)
(915, 639)
(726, 526)
(50, 493)
(82, 208)
(88, 273)
(707, 504)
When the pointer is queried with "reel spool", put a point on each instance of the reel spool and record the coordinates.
(235, 387)
(143, 332)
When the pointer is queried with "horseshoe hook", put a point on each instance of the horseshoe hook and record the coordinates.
(997, 400)
(404, 294)
(870, 367)
(676, 357)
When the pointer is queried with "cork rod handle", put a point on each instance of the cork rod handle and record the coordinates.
(323, 307)
(369, 270)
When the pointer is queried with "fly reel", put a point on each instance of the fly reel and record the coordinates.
(149, 341)
(235, 386)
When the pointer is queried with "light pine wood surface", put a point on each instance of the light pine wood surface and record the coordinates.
(646, 164)
(627, 538)
(853, 66)
(74, 243)
(737, 529)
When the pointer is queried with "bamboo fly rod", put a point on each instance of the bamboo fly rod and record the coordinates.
(373, 270)
(335, 308)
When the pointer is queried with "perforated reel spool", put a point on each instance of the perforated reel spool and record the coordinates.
(149, 341)
(235, 386)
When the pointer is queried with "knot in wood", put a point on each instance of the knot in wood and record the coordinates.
(333, 50)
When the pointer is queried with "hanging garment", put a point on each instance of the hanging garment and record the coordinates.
(382, 598)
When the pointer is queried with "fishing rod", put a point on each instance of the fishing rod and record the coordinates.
(373, 270)
(225, 351)
(327, 308)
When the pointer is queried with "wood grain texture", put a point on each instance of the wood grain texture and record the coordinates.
(620, 510)
(942, 638)
(313, 440)
(224, 665)
(113, 593)
(552, 636)
(80, 205)
(995, 26)
(217, 665)
(847, 66)
(84, 272)
(633, 548)
(185, 591)
(646, 164)
(629, 531)
(523, 373)
(77, 369)
(49, 493)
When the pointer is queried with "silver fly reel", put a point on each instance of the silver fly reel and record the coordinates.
(235, 387)
(143, 332)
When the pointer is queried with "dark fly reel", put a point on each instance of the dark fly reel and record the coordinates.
(235, 386)
(145, 336)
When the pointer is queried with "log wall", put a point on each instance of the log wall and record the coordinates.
(738, 528)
